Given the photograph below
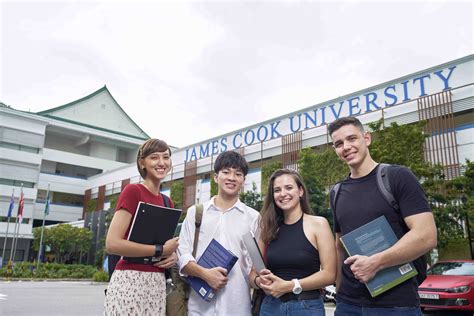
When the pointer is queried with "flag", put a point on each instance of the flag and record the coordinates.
(10, 208)
(21, 204)
(46, 207)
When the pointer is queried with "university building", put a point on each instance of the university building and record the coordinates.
(61, 148)
(442, 95)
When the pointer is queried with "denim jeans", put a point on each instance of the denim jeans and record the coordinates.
(272, 306)
(344, 309)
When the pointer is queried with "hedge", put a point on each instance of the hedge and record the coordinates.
(50, 271)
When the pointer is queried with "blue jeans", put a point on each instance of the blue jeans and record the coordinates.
(272, 306)
(344, 309)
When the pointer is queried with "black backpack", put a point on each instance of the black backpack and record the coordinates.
(383, 185)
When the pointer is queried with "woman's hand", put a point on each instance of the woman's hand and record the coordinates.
(277, 286)
(262, 279)
(170, 246)
(168, 262)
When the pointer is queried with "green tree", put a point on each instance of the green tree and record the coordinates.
(214, 188)
(113, 199)
(252, 198)
(91, 205)
(176, 193)
(37, 237)
(267, 171)
(65, 240)
(308, 165)
(329, 168)
(401, 145)
(404, 145)
(452, 203)
(465, 185)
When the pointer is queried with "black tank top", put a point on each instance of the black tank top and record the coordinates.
(291, 255)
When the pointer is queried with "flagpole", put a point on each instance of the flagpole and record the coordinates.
(5, 241)
(9, 214)
(18, 223)
(46, 209)
(13, 239)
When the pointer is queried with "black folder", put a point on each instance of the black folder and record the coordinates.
(152, 224)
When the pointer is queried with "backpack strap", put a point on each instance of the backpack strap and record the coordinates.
(166, 200)
(383, 184)
(197, 223)
(333, 195)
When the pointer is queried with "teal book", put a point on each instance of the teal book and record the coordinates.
(215, 255)
(372, 238)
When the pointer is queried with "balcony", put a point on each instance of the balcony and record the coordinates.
(62, 183)
(58, 212)
(80, 160)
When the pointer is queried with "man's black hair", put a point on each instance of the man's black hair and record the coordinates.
(343, 121)
(231, 159)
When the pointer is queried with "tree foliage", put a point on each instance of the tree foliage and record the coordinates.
(214, 188)
(401, 145)
(404, 145)
(452, 203)
(450, 200)
(113, 199)
(252, 198)
(92, 205)
(176, 193)
(465, 185)
(66, 241)
(328, 168)
(267, 171)
(309, 165)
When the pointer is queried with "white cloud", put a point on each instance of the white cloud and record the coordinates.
(189, 71)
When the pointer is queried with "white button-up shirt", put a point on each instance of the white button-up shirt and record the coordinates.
(227, 227)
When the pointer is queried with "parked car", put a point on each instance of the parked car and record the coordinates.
(449, 285)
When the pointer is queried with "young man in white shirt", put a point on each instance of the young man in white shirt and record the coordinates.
(226, 219)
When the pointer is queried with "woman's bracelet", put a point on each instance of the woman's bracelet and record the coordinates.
(255, 282)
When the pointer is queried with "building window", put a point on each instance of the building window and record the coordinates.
(67, 199)
(17, 183)
(4, 219)
(25, 148)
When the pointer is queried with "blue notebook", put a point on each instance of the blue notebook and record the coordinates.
(375, 237)
(215, 255)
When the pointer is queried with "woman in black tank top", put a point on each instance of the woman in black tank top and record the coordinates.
(298, 247)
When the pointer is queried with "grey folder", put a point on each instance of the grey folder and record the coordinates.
(152, 224)
(254, 251)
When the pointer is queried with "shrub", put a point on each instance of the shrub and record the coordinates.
(77, 275)
(100, 276)
(50, 271)
(61, 274)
